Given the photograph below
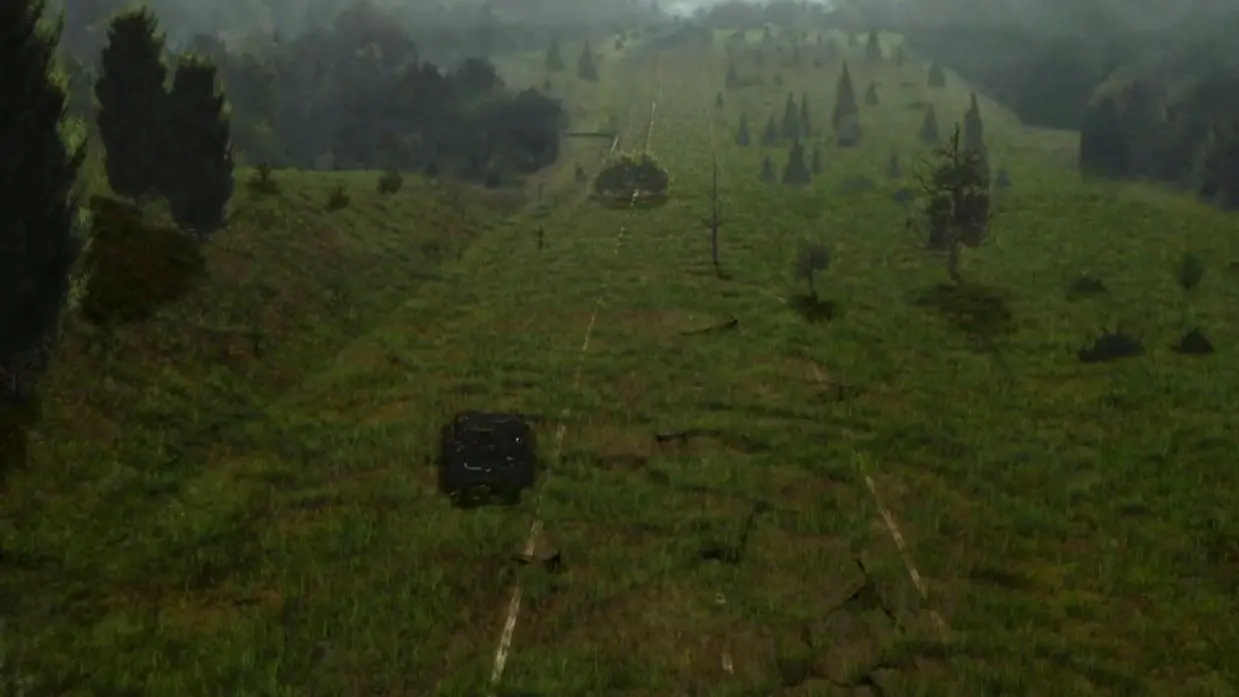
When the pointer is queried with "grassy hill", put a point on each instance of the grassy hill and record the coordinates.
(925, 493)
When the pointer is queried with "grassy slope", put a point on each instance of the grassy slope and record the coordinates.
(272, 527)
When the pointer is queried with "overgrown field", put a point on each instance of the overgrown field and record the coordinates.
(238, 496)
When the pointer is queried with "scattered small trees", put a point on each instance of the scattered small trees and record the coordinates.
(198, 178)
(956, 212)
(131, 97)
(1103, 143)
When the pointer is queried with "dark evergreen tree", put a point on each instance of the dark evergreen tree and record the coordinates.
(199, 179)
(771, 135)
(767, 170)
(790, 129)
(845, 100)
(586, 68)
(718, 101)
(937, 76)
(733, 78)
(778, 79)
(929, 127)
(554, 57)
(41, 156)
(1104, 148)
(742, 133)
(816, 166)
(974, 129)
(871, 94)
(873, 48)
(806, 125)
(131, 98)
(893, 170)
(796, 171)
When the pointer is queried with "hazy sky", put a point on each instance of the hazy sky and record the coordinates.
(687, 7)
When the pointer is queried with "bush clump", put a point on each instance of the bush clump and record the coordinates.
(631, 175)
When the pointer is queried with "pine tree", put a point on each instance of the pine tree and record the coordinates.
(893, 170)
(131, 98)
(554, 57)
(778, 79)
(199, 178)
(586, 68)
(742, 133)
(937, 76)
(845, 100)
(873, 49)
(929, 127)
(733, 78)
(718, 101)
(42, 154)
(806, 125)
(771, 135)
(767, 170)
(790, 129)
(796, 172)
(816, 166)
(974, 129)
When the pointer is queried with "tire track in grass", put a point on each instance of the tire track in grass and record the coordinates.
(512, 614)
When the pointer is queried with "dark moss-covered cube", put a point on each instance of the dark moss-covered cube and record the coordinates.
(487, 457)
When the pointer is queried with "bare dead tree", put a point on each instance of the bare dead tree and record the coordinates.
(956, 212)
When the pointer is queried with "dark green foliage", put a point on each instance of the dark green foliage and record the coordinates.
(806, 125)
(849, 132)
(263, 181)
(810, 259)
(893, 170)
(578, 173)
(338, 199)
(733, 78)
(846, 109)
(956, 212)
(742, 133)
(796, 171)
(1219, 178)
(778, 79)
(1194, 343)
(38, 205)
(1002, 180)
(873, 48)
(937, 76)
(974, 128)
(627, 175)
(871, 94)
(816, 166)
(554, 58)
(1111, 346)
(1190, 271)
(137, 264)
(790, 128)
(767, 170)
(929, 128)
(718, 101)
(199, 180)
(1103, 143)
(770, 136)
(586, 67)
(132, 100)
(1085, 286)
(390, 182)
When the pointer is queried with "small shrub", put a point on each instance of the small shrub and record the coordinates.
(263, 180)
(390, 182)
(809, 260)
(579, 174)
(338, 198)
